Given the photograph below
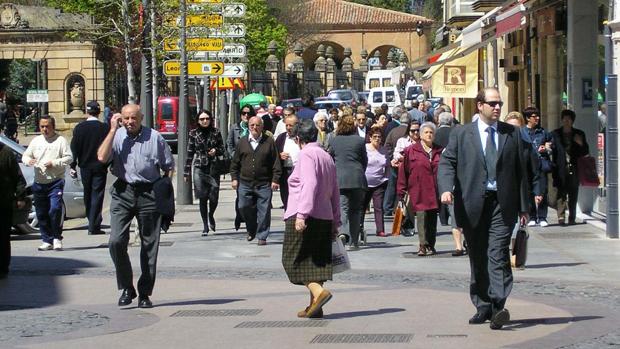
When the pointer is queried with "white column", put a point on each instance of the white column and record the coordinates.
(583, 78)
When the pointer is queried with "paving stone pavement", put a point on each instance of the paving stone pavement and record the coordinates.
(567, 297)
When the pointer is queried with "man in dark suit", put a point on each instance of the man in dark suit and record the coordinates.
(484, 174)
(87, 137)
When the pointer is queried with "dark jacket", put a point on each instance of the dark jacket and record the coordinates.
(12, 183)
(200, 141)
(256, 167)
(417, 176)
(442, 136)
(462, 171)
(539, 137)
(87, 137)
(393, 137)
(233, 139)
(349, 153)
(561, 169)
(164, 201)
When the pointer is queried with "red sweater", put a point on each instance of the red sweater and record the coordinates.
(417, 175)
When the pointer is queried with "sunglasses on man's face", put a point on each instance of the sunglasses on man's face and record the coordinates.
(493, 104)
(414, 130)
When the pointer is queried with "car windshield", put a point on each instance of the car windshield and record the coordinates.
(342, 95)
(166, 111)
(413, 91)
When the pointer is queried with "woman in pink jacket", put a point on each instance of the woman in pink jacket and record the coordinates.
(417, 176)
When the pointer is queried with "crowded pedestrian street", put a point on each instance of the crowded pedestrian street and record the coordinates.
(222, 291)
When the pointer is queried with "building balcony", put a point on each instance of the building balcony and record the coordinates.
(485, 5)
(460, 13)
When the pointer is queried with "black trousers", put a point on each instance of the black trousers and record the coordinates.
(6, 218)
(94, 190)
(568, 192)
(488, 243)
(207, 190)
(129, 202)
(286, 173)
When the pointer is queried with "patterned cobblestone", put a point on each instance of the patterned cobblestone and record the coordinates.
(17, 325)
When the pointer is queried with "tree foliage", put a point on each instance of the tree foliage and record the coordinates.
(433, 9)
(396, 5)
(22, 77)
(262, 27)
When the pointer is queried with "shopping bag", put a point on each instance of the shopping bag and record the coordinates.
(340, 259)
(586, 170)
(519, 250)
(398, 220)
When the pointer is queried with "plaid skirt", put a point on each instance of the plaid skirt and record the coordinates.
(307, 256)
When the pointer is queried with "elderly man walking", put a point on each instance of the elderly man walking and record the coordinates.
(255, 171)
(139, 156)
(49, 154)
(289, 153)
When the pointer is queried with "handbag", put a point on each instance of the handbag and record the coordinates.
(586, 170)
(340, 258)
(399, 215)
(222, 164)
(519, 250)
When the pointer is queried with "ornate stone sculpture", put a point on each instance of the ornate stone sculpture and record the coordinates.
(77, 96)
(10, 17)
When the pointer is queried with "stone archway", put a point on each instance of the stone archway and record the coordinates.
(384, 53)
(60, 56)
(310, 54)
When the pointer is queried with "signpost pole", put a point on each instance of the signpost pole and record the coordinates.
(184, 194)
(146, 93)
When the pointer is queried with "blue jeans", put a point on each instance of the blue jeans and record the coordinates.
(255, 207)
(389, 200)
(48, 207)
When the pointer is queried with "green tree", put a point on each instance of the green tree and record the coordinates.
(433, 9)
(22, 76)
(262, 27)
(396, 5)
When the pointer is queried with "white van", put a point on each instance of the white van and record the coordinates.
(382, 78)
(388, 95)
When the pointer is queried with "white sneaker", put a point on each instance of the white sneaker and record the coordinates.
(531, 224)
(57, 245)
(543, 223)
(45, 247)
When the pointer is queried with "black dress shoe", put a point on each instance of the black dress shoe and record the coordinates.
(499, 319)
(145, 302)
(479, 318)
(250, 237)
(127, 297)
(96, 232)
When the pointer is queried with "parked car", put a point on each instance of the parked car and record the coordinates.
(388, 95)
(295, 102)
(325, 103)
(413, 91)
(346, 95)
(25, 220)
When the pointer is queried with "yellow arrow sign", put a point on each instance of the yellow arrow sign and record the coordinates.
(207, 20)
(173, 68)
(195, 44)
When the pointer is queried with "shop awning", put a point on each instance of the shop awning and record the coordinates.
(510, 20)
(450, 55)
(472, 34)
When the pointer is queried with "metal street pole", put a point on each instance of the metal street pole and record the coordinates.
(184, 194)
(611, 157)
(146, 81)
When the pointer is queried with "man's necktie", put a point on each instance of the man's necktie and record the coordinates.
(490, 154)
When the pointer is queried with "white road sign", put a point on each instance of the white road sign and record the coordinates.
(233, 10)
(230, 50)
(37, 96)
(234, 70)
(226, 31)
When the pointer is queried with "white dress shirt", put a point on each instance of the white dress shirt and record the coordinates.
(293, 150)
(254, 142)
(482, 131)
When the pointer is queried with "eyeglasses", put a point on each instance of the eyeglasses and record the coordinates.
(245, 113)
(321, 120)
(493, 104)
(414, 130)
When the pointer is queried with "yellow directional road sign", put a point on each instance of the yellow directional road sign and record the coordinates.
(195, 44)
(194, 68)
(207, 20)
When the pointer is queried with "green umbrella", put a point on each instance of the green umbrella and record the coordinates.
(253, 99)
